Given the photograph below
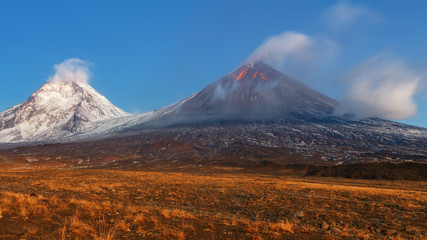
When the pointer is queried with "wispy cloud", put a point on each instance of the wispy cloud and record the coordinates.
(344, 14)
(381, 87)
(292, 52)
(71, 70)
(284, 48)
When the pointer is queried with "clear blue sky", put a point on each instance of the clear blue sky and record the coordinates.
(148, 54)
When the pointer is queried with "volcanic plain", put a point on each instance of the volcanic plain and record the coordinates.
(206, 202)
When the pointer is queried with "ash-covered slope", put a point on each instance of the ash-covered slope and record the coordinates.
(56, 110)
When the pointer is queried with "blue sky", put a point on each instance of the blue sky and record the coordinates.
(145, 55)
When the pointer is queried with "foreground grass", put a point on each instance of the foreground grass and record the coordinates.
(205, 204)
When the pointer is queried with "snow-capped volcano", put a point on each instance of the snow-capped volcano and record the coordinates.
(57, 109)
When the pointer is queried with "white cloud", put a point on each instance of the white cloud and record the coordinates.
(381, 87)
(71, 70)
(284, 48)
(343, 15)
(294, 52)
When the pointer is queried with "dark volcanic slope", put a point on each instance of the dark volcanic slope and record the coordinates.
(256, 92)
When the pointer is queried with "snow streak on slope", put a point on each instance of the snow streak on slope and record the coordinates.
(56, 110)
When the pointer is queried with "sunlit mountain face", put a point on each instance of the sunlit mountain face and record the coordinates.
(58, 109)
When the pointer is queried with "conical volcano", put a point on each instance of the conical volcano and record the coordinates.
(253, 92)
(56, 110)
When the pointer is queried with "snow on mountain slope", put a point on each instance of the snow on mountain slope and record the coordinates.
(56, 110)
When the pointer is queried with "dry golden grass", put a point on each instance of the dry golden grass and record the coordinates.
(104, 232)
(209, 204)
(284, 226)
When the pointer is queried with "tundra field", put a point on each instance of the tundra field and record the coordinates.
(206, 203)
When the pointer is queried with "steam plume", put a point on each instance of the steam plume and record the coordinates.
(295, 53)
(222, 92)
(284, 48)
(71, 70)
(381, 88)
